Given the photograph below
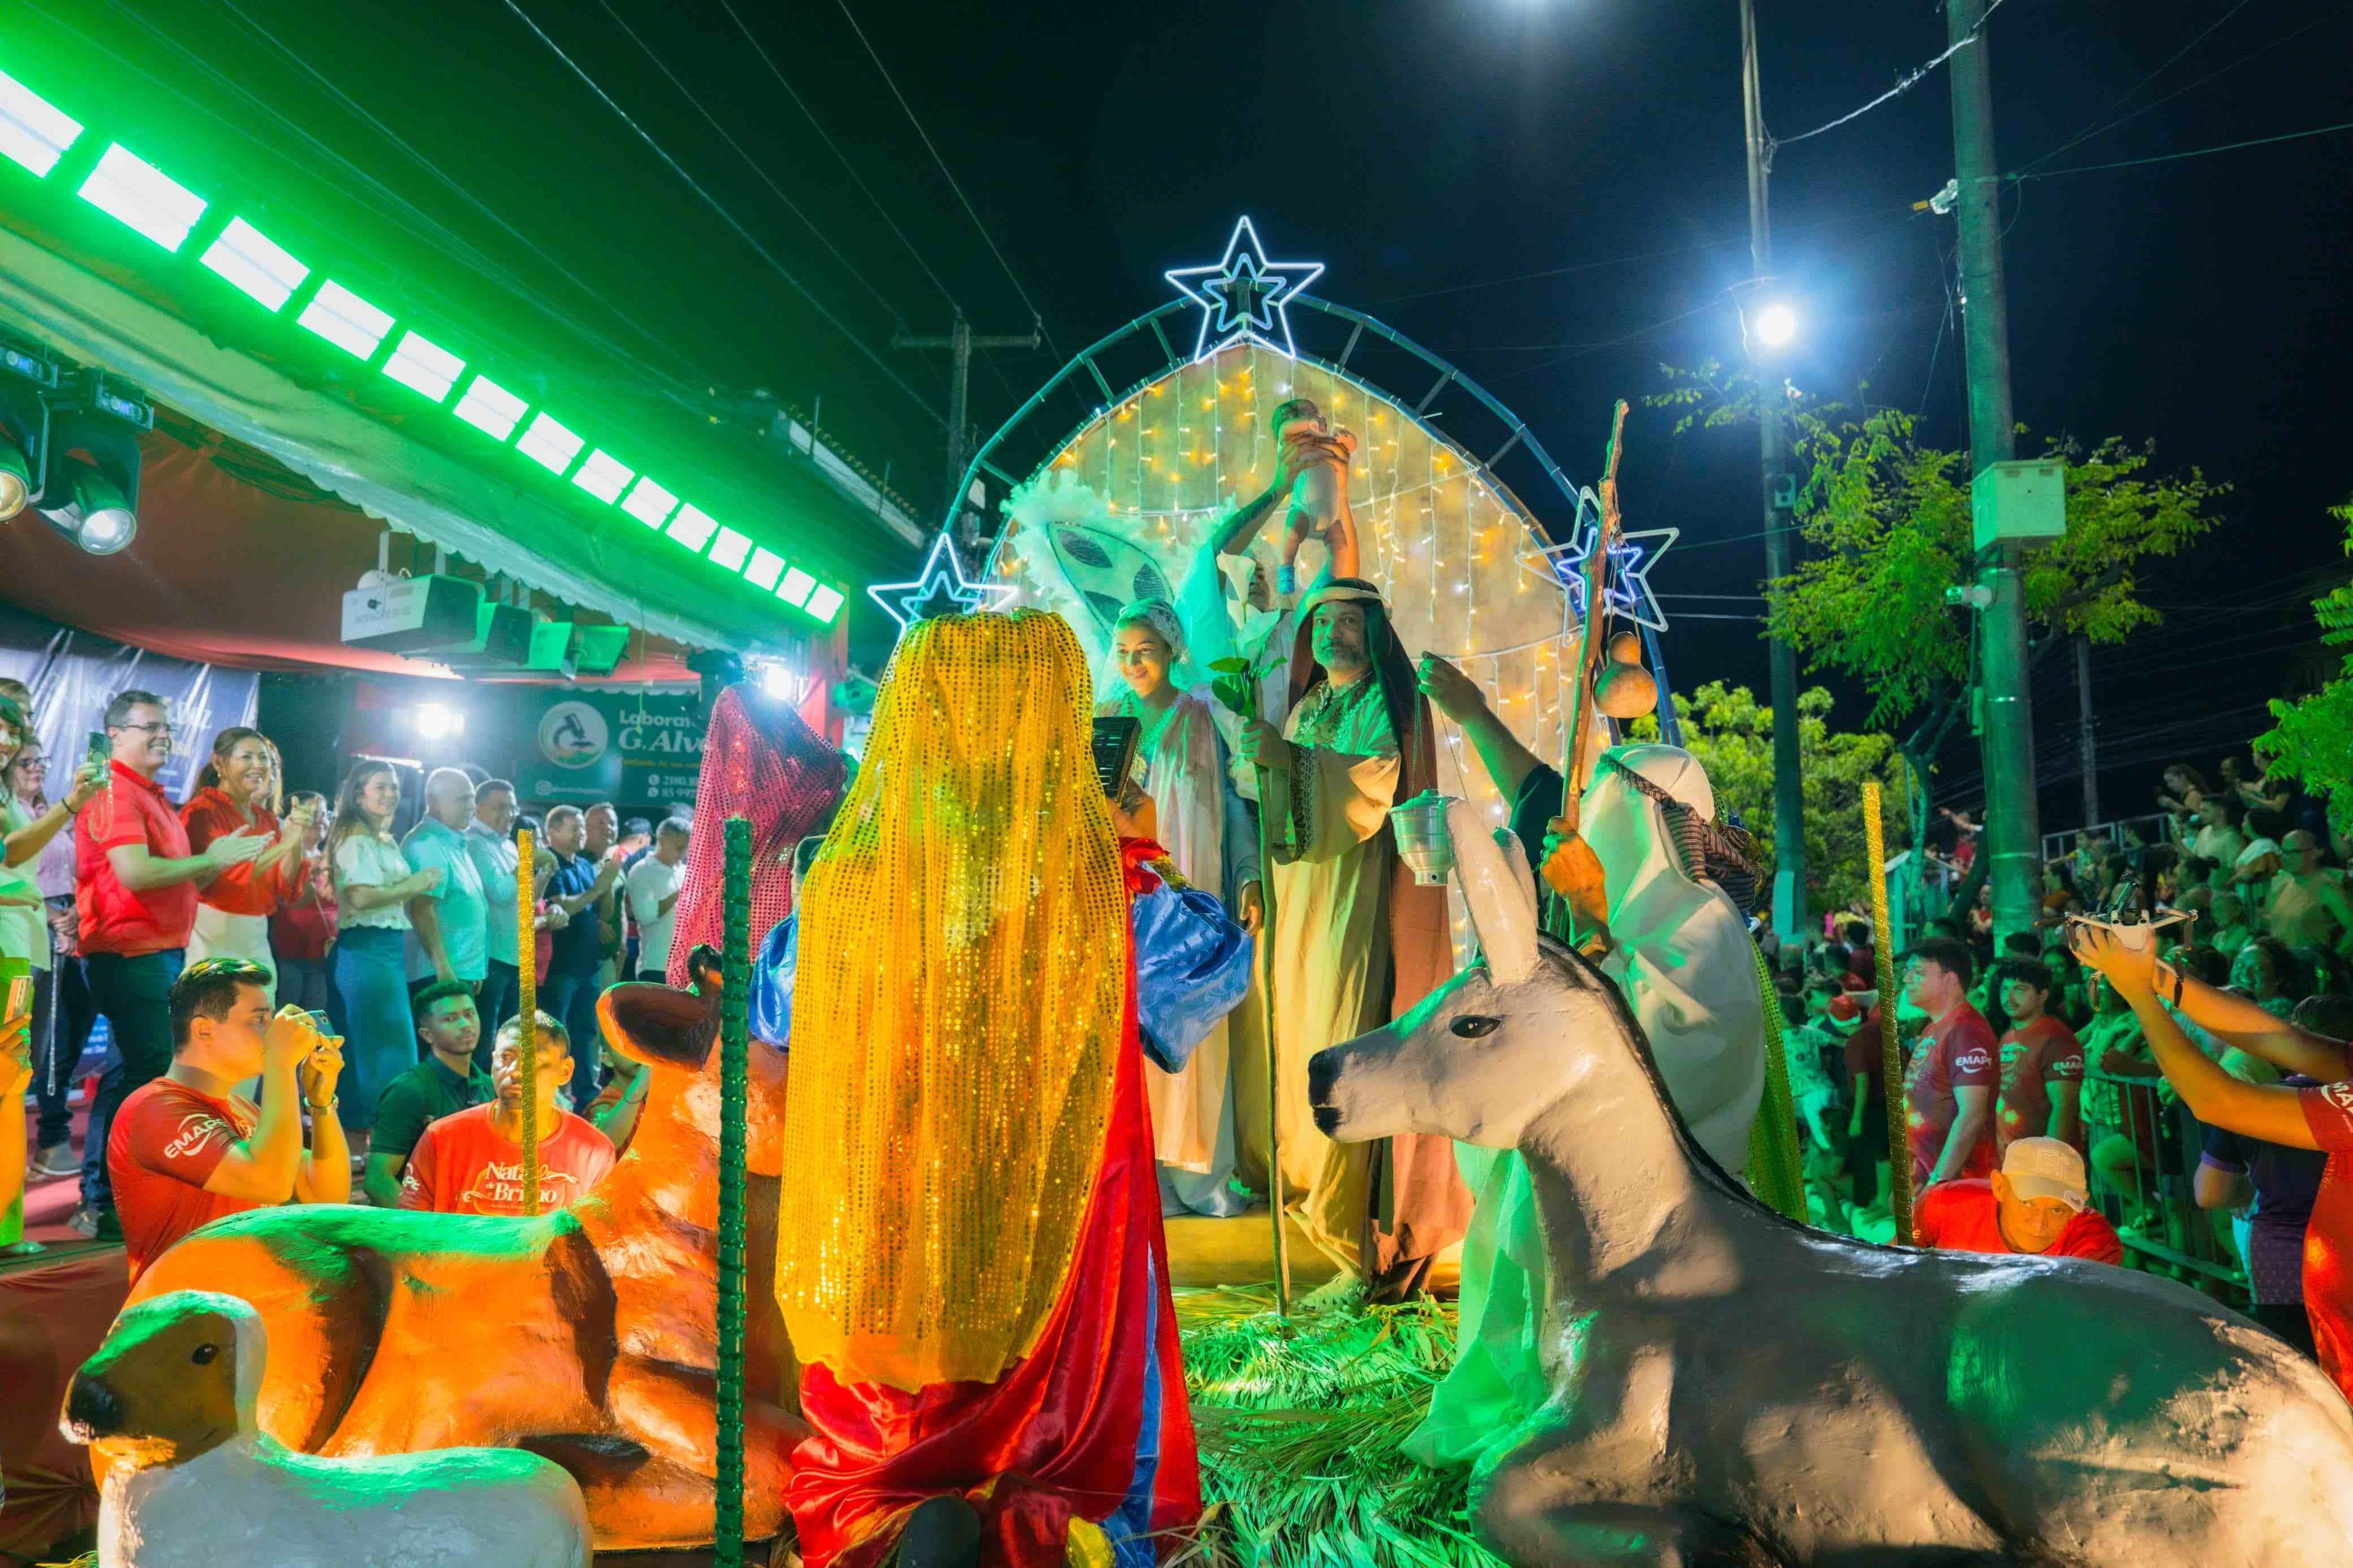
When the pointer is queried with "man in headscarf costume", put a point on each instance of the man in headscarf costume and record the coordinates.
(970, 1259)
(762, 763)
(1356, 941)
(1211, 837)
(1679, 950)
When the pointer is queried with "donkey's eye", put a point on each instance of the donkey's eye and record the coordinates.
(1472, 1025)
(204, 1354)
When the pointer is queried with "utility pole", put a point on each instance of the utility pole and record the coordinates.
(1789, 781)
(2007, 730)
(2087, 745)
(960, 343)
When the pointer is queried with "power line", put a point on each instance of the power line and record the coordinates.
(2194, 152)
(832, 146)
(1028, 304)
(1907, 208)
(2127, 96)
(713, 203)
(2102, 129)
(1775, 143)
(778, 191)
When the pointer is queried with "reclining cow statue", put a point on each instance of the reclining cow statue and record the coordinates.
(1731, 1388)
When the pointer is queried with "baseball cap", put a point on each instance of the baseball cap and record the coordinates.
(2046, 1168)
(1845, 1012)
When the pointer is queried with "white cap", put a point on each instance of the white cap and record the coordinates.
(2046, 1168)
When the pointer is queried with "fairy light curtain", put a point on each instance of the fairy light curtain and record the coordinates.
(1441, 535)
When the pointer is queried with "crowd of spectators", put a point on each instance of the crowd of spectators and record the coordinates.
(296, 996)
(2023, 1043)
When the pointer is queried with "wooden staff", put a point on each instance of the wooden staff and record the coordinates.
(1268, 803)
(734, 1089)
(1891, 1052)
(527, 1020)
(1573, 868)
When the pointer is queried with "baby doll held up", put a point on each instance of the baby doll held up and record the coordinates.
(1318, 456)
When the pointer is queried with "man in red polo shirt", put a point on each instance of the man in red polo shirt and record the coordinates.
(188, 1149)
(135, 885)
(2041, 1063)
(1948, 1087)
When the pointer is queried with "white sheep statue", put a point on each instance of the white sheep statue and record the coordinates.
(194, 1482)
(1735, 1391)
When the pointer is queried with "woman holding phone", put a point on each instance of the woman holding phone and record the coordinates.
(374, 883)
(1181, 764)
(237, 793)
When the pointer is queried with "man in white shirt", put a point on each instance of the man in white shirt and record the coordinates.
(653, 887)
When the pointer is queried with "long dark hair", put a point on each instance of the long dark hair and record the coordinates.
(1391, 671)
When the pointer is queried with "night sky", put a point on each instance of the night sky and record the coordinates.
(1588, 151)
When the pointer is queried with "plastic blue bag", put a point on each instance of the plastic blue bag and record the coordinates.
(1192, 966)
(774, 969)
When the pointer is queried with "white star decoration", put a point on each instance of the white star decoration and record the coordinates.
(942, 590)
(1627, 587)
(1244, 294)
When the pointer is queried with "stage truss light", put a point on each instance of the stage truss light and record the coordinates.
(489, 408)
(16, 478)
(91, 510)
(550, 445)
(34, 132)
(136, 194)
(730, 548)
(649, 503)
(255, 265)
(604, 476)
(424, 367)
(692, 528)
(764, 569)
(795, 588)
(345, 320)
(825, 604)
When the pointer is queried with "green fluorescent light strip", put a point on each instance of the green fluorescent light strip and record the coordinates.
(489, 408)
(256, 265)
(730, 548)
(36, 134)
(132, 191)
(33, 130)
(602, 476)
(550, 445)
(345, 320)
(650, 503)
(692, 527)
(424, 366)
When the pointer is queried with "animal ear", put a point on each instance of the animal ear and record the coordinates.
(661, 1027)
(1500, 892)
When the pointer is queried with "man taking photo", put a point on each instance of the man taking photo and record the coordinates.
(187, 1149)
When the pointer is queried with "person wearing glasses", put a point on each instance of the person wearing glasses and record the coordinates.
(136, 883)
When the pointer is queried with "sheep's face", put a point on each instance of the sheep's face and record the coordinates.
(164, 1388)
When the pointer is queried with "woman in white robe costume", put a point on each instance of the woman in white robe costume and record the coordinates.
(1681, 952)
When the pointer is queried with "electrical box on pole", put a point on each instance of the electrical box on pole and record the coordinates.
(2024, 500)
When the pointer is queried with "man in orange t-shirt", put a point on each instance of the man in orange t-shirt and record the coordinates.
(2041, 1063)
(471, 1162)
(187, 1149)
(2036, 1203)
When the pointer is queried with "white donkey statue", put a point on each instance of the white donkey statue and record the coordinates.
(1732, 1389)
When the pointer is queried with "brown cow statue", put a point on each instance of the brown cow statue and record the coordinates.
(585, 1335)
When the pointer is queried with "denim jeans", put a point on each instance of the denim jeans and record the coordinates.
(135, 995)
(379, 1030)
(571, 1000)
(497, 1000)
(305, 984)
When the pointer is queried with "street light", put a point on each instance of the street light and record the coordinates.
(1777, 324)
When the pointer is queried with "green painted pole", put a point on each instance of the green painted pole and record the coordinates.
(735, 1088)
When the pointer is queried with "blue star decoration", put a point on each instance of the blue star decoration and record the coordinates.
(1626, 587)
(1243, 295)
(942, 590)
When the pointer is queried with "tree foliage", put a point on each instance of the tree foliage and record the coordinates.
(1889, 524)
(1731, 733)
(2313, 739)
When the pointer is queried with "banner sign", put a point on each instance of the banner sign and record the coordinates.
(74, 675)
(635, 751)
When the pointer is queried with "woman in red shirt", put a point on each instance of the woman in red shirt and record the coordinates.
(238, 794)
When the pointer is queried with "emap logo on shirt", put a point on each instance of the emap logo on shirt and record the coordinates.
(1977, 1058)
(196, 1130)
(2340, 1095)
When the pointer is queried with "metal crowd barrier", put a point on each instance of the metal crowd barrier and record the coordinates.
(2145, 1149)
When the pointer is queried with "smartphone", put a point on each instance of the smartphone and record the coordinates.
(1115, 739)
(98, 749)
(20, 999)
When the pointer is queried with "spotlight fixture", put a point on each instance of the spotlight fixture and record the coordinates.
(91, 495)
(16, 478)
(435, 722)
(23, 438)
